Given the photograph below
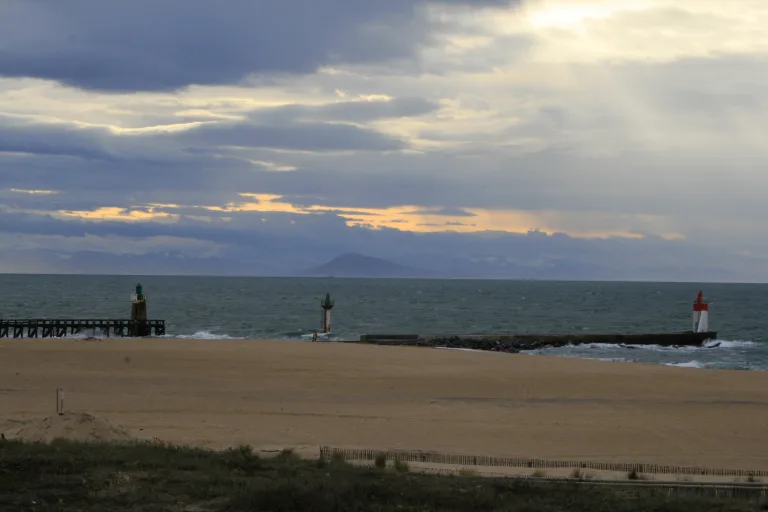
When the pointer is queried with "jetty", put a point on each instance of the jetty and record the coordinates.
(137, 326)
(517, 342)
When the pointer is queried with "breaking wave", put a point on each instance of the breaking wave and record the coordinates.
(689, 364)
(203, 335)
(711, 344)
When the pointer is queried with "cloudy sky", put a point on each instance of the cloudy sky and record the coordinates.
(553, 138)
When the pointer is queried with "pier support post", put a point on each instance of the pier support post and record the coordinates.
(327, 305)
(139, 325)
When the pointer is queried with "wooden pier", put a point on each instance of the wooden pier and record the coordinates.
(137, 327)
(38, 328)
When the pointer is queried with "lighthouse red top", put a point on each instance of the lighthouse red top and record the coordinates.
(700, 305)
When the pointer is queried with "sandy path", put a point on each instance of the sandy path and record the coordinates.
(280, 393)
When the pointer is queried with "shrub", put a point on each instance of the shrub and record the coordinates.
(578, 474)
(401, 466)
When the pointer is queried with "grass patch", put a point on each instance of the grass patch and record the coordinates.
(156, 477)
(401, 466)
(578, 474)
(539, 473)
(468, 472)
(338, 458)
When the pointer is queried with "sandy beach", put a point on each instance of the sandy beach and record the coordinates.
(275, 394)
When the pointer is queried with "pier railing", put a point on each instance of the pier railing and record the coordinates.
(44, 328)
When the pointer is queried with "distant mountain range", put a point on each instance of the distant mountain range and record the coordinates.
(357, 265)
(297, 261)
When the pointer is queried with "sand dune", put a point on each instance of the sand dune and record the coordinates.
(77, 426)
(299, 394)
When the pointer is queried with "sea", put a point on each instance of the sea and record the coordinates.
(216, 308)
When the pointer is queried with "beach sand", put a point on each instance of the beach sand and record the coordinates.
(275, 394)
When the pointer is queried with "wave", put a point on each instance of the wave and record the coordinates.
(689, 364)
(720, 365)
(292, 335)
(471, 350)
(708, 345)
(729, 344)
(207, 335)
(320, 336)
(202, 335)
(99, 334)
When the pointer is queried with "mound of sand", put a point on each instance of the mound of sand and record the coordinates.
(75, 426)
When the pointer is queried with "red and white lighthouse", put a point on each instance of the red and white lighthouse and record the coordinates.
(700, 314)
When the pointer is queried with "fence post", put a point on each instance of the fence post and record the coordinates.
(59, 401)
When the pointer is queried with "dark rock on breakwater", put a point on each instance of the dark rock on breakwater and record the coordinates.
(513, 343)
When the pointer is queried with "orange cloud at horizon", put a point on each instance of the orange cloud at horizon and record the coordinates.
(121, 214)
(412, 218)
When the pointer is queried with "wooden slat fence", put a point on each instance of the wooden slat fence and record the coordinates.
(525, 462)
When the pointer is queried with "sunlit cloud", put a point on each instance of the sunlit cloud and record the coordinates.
(120, 214)
(412, 218)
(33, 192)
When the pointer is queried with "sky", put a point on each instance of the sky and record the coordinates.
(608, 139)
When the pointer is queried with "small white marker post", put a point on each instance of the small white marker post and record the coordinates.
(59, 401)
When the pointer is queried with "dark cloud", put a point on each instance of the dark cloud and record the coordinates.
(124, 171)
(344, 212)
(298, 136)
(349, 111)
(280, 243)
(447, 211)
(168, 44)
(18, 136)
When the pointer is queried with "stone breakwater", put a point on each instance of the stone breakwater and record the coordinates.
(513, 343)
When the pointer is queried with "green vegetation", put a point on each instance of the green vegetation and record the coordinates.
(152, 477)
(578, 474)
(401, 466)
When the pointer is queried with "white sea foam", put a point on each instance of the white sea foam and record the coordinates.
(471, 350)
(729, 344)
(708, 345)
(99, 334)
(606, 359)
(204, 335)
(320, 335)
(689, 364)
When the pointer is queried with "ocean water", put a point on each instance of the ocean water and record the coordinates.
(289, 308)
